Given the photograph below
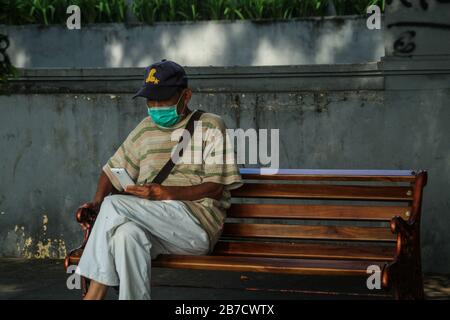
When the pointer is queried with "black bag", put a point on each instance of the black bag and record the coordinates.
(167, 168)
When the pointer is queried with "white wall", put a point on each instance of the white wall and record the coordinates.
(218, 43)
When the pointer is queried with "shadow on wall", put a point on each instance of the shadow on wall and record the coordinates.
(218, 43)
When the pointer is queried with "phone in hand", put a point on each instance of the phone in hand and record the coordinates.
(123, 177)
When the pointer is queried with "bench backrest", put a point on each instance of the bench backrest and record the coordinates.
(364, 199)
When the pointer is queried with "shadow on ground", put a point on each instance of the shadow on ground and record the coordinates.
(46, 279)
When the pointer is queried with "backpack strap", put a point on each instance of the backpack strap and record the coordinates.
(167, 168)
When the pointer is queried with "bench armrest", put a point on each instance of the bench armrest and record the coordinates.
(85, 216)
(407, 261)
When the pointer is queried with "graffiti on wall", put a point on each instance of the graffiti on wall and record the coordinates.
(406, 43)
(6, 68)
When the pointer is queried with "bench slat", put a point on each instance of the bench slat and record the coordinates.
(320, 191)
(328, 175)
(267, 230)
(304, 250)
(316, 212)
(258, 264)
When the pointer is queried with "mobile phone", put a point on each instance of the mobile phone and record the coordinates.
(123, 177)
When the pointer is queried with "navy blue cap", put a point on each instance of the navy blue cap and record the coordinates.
(162, 80)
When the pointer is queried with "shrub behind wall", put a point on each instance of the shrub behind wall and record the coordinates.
(47, 12)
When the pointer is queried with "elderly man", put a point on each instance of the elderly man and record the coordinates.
(182, 215)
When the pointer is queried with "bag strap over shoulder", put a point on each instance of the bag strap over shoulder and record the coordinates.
(167, 168)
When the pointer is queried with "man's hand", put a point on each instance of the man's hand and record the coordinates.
(95, 206)
(151, 191)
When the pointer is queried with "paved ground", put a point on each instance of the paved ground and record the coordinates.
(46, 279)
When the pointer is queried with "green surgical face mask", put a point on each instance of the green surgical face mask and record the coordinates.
(165, 116)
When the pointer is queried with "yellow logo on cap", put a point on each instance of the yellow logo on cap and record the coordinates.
(151, 77)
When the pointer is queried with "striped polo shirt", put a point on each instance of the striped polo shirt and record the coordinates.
(207, 158)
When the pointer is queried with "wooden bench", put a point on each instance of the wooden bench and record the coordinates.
(354, 219)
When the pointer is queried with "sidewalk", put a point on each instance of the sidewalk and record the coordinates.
(46, 279)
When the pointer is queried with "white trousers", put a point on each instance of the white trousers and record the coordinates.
(129, 232)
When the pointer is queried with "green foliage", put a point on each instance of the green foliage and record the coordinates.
(54, 11)
(345, 7)
(149, 11)
(14, 12)
(110, 10)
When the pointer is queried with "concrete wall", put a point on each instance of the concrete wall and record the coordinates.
(54, 143)
(217, 43)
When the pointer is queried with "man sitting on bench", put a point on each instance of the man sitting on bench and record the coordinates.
(183, 216)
